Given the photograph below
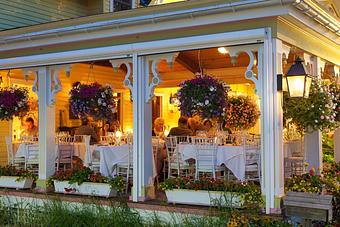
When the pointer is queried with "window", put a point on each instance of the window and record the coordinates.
(120, 5)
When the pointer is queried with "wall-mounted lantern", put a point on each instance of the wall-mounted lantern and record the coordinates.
(298, 79)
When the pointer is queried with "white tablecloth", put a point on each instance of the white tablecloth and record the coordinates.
(231, 156)
(79, 150)
(113, 155)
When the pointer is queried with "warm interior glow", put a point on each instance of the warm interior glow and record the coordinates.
(296, 85)
(222, 50)
(118, 134)
(129, 131)
(308, 84)
(166, 132)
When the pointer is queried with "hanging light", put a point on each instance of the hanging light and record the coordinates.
(222, 50)
(298, 79)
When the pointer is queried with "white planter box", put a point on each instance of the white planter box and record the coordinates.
(86, 188)
(204, 198)
(11, 182)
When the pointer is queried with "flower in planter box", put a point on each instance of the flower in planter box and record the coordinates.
(85, 174)
(12, 171)
(251, 192)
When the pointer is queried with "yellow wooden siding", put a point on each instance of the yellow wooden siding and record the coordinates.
(5, 131)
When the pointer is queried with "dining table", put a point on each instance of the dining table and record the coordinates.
(231, 156)
(79, 150)
(111, 155)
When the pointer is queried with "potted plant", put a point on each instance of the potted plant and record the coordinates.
(242, 113)
(314, 197)
(84, 181)
(204, 96)
(10, 177)
(13, 102)
(208, 192)
(317, 112)
(92, 100)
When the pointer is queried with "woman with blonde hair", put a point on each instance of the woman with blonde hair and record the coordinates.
(158, 129)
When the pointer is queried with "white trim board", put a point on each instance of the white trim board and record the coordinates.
(144, 48)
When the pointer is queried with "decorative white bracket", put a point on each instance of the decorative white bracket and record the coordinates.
(319, 66)
(35, 72)
(156, 77)
(54, 84)
(308, 61)
(285, 50)
(249, 73)
(127, 62)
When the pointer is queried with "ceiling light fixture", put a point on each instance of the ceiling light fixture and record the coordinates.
(222, 50)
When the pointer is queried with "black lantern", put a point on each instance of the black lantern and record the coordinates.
(298, 79)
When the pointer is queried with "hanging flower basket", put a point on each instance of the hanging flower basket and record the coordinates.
(317, 112)
(242, 113)
(204, 96)
(13, 102)
(92, 100)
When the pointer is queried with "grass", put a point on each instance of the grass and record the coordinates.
(55, 213)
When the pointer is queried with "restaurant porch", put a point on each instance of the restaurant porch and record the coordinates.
(112, 147)
(145, 88)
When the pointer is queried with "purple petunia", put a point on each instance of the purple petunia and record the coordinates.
(92, 100)
(204, 96)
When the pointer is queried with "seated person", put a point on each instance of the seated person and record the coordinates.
(114, 126)
(209, 129)
(181, 129)
(195, 125)
(158, 129)
(86, 129)
(31, 130)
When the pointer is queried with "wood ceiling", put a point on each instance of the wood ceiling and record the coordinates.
(188, 63)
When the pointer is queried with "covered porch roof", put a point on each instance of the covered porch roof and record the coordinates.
(182, 19)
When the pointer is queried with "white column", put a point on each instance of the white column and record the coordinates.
(145, 79)
(267, 119)
(46, 128)
(46, 85)
(278, 50)
(142, 117)
(264, 82)
(313, 140)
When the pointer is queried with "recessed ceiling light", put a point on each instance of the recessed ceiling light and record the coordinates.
(222, 50)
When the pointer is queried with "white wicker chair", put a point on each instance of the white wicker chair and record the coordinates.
(9, 148)
(252, 158)
(18, 162)
(206, 155)
(32, 158)
(65, 152)
(29, 139)
(174, 163)
(125, 169)
(108, 140)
